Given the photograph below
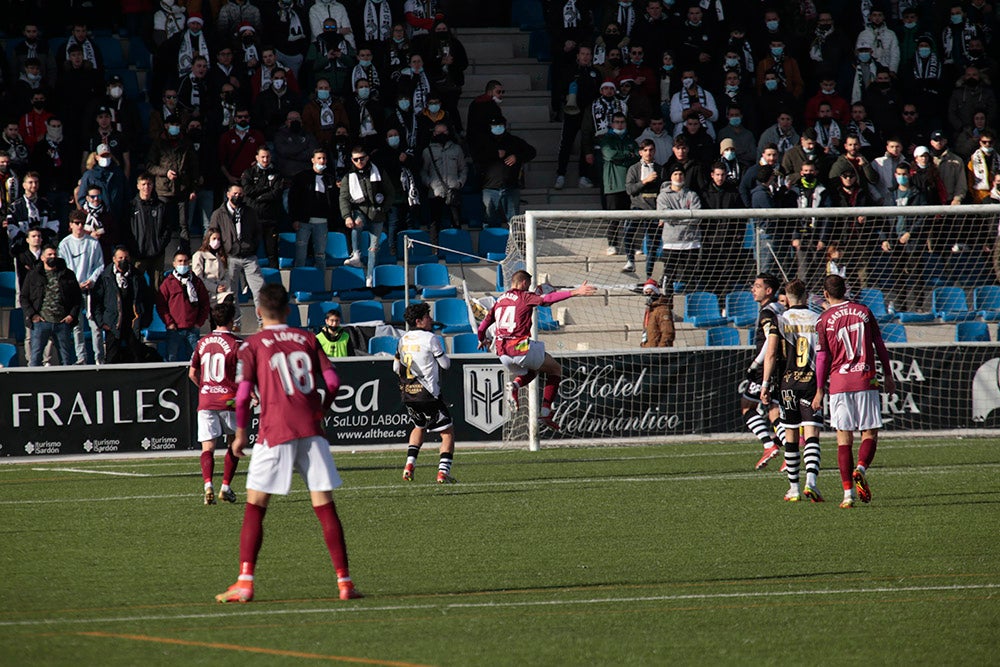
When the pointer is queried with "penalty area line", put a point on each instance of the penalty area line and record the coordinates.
(250, 649)
(499, 605)
(94, 472)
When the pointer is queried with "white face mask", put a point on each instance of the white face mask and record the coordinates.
(278, 84)
(215, 244)
(104, 161)
(115, 92)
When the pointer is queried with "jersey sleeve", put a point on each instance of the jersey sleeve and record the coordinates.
(246, 368)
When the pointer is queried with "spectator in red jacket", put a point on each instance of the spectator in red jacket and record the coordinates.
(183, 305)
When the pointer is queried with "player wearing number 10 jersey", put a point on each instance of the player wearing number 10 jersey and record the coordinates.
(848, 341)
(213, 370)
(289, 371)
(522, 357)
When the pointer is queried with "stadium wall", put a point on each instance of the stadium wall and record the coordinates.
(607, 397)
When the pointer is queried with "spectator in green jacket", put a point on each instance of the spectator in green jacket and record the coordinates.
(333, 338)
(618, 153)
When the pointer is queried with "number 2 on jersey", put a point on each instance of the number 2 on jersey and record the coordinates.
(295, 371)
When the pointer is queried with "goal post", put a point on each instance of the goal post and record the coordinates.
(928, 273)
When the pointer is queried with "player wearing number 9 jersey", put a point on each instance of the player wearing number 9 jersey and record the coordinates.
(522, 357)
(296, 385)
(213, 370)
(848, 341)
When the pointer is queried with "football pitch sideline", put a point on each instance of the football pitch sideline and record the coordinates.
(656, 555)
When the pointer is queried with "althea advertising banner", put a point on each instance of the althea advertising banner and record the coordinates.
(602, 397)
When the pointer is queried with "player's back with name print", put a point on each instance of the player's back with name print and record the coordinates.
(847, 332)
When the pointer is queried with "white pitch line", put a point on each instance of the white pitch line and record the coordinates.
(498, 605)
(94, 472)
(757, 476)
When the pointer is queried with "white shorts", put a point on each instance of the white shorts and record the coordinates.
(856, 410)
(213, 423)
(271, 468)
(521, 364)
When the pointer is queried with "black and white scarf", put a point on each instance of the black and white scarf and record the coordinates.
(779, 69)
(719, 12)
(121, 278)
(250, 55)
(53, 152)
(854, 129)
(602, 110)
(187, 52)
(827, 133)
(187, 282)
(291, 17)
(948, 45)
(816, 48)
(378, 21)
(366, 124)
(370, 74)
(927, 68)
(626, 18)
(685, 99)
(571, 15)
(785, 142)
(421, 89)
(408, 123)
(93, 221)
(327, 120)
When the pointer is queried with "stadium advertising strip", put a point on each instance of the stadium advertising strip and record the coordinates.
(151, 407)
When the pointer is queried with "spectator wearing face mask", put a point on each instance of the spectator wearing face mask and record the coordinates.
(106, 174)
(210, 264)
(51, 299)
(237, 149)
(106, 132)
(323, 112)
(273, 104)
(293, 146)
(240, 231)
(983, 165)
(500, 161)
(183, 303)
(122, 306)
(174, 163)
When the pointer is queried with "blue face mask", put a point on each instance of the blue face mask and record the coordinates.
(404, 105)
(732, 62)
(956, 19)
(910, 26)
(771, 84)
(322, 94)
(393, 141)
(902, 179)
(434, 108)
(864, 57)
(364, 62)
(732, 89)
(195, 33)
(363, 93)
(497, 130)
(619, 132)
(736, 121)
(777, 51)
(173, 130)
(924, 51)
(182, 270)
(242, 127)
(668, 68)
(772, 25)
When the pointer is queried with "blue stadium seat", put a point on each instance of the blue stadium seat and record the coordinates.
(494, 257)
(348, 283)
(546, 322)
(949, 304)
(366, 311)
(456, 240)
(741, 309)
(271, 276)
(286, 250)
(720, 336)
(875, 300)
(316, 315)
(307, 283)
(986, 302)
(8, 289)
(157, 329)
(493, 240)
(294, 316)
(397, 309)
(111, 51)
(894, 332)
(419, 253)
(453, 315)
(972, 332)
(433, 281)
(383, 345)
(15, 328)
(336, 248)
(465, 343)
(138, 53)
(702, 310)
(8, 355)
(389, 282)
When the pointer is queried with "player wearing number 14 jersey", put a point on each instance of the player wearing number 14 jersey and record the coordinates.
(213, 370)
(289, 370)
(848, 342)
(522, 357)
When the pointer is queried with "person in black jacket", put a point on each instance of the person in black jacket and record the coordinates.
(122, 305)
(51, 299)
(722, 241)
(147, 231)
(240, 230)
(499, 160)
(262, 189)
(314, 209)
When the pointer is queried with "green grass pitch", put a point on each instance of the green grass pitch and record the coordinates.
(673, 554)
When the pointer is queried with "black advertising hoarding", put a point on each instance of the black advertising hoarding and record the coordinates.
(602, 397)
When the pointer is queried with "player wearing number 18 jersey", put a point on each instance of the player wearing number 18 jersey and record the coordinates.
(213, 370)
(797, 327)
(848, 342)
(289, 370)
(522, 357)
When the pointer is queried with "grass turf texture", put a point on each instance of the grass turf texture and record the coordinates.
(653, 555)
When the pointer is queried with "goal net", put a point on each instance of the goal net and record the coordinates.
(927, 273)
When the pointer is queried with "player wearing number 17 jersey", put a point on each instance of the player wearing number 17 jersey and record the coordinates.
(289, 370)
(522, 357)
(213, 370)
(848, 342)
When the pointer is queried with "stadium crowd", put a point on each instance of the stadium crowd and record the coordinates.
(263, 116)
